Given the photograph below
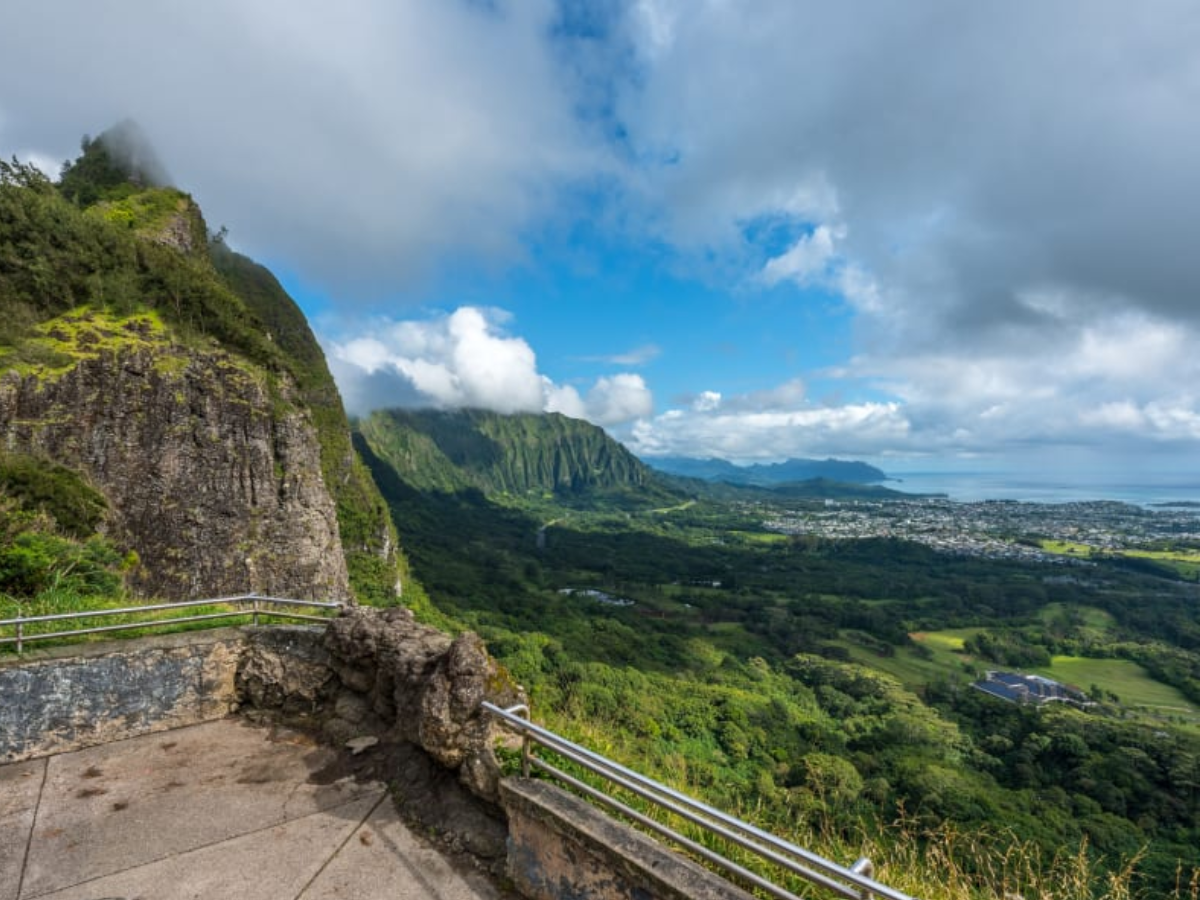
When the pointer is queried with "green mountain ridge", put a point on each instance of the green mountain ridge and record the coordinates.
(520, 454)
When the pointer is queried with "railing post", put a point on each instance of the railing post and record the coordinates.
(864, 866)
(526, 738)
(254, 614)
(20, 637)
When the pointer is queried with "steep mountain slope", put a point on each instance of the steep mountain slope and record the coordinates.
(377, 567)
(521, 454)
(183, 386)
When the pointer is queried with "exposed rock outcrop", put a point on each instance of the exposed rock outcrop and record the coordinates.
(380, 672)
(212, 465)
(425, 687)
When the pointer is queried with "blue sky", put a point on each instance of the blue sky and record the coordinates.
(927, 235)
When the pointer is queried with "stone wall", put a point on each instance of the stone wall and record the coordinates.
(370, 673)
(98, 693)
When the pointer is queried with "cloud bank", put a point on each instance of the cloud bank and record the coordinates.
(1002, 199)
(364, 146)
(465, 359)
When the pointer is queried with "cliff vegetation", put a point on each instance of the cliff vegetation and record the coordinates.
(181, 385)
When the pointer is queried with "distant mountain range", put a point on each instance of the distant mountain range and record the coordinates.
(550, 455)
(769, 474)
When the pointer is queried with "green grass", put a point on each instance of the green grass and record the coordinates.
(946, 659)
(949, 641)
(1091, 617)
(57, 601)
(1068, 548)
(759, 537)
(1185, 563)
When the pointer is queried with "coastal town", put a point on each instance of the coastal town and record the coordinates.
(1058, 533)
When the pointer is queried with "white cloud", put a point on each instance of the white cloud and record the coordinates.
(1086, 383)
(619, 398)
(638, 356)
(465, 359)
(808, 261)
(1011, 235)
(1112, 382)
(564, 399)
(769, 425)
(865, 429)
(361, 147)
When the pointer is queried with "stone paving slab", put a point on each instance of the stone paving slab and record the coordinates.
(20, 785)
(271, 864)
(384, 851)
(223, 809)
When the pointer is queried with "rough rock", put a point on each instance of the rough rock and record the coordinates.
(285, 668)
(212, 468)
(427, 687)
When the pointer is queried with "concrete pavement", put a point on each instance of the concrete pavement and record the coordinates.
(220, 810)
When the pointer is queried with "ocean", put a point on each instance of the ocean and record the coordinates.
(1141, 490)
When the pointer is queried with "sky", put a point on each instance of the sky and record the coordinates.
(929, 235)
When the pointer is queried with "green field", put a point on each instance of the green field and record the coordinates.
(759, 537)
(1067, 548)
(1184, 562)
(1122, 677)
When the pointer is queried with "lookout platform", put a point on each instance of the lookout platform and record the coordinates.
(221, 809)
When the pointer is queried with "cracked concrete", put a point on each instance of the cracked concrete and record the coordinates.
(222, 809)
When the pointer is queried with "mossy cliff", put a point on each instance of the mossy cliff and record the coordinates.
(183, 384)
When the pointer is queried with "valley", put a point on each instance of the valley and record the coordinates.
(820, 678)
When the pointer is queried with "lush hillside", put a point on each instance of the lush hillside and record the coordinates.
(787, 472)
(522, 455)
(181, 384)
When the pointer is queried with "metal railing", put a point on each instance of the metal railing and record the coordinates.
(854, 882)
(259, 606)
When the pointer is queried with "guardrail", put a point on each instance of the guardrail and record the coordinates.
(854, 882)
(259, 606)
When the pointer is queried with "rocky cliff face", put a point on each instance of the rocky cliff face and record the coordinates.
(212, 467)
(181, 381)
